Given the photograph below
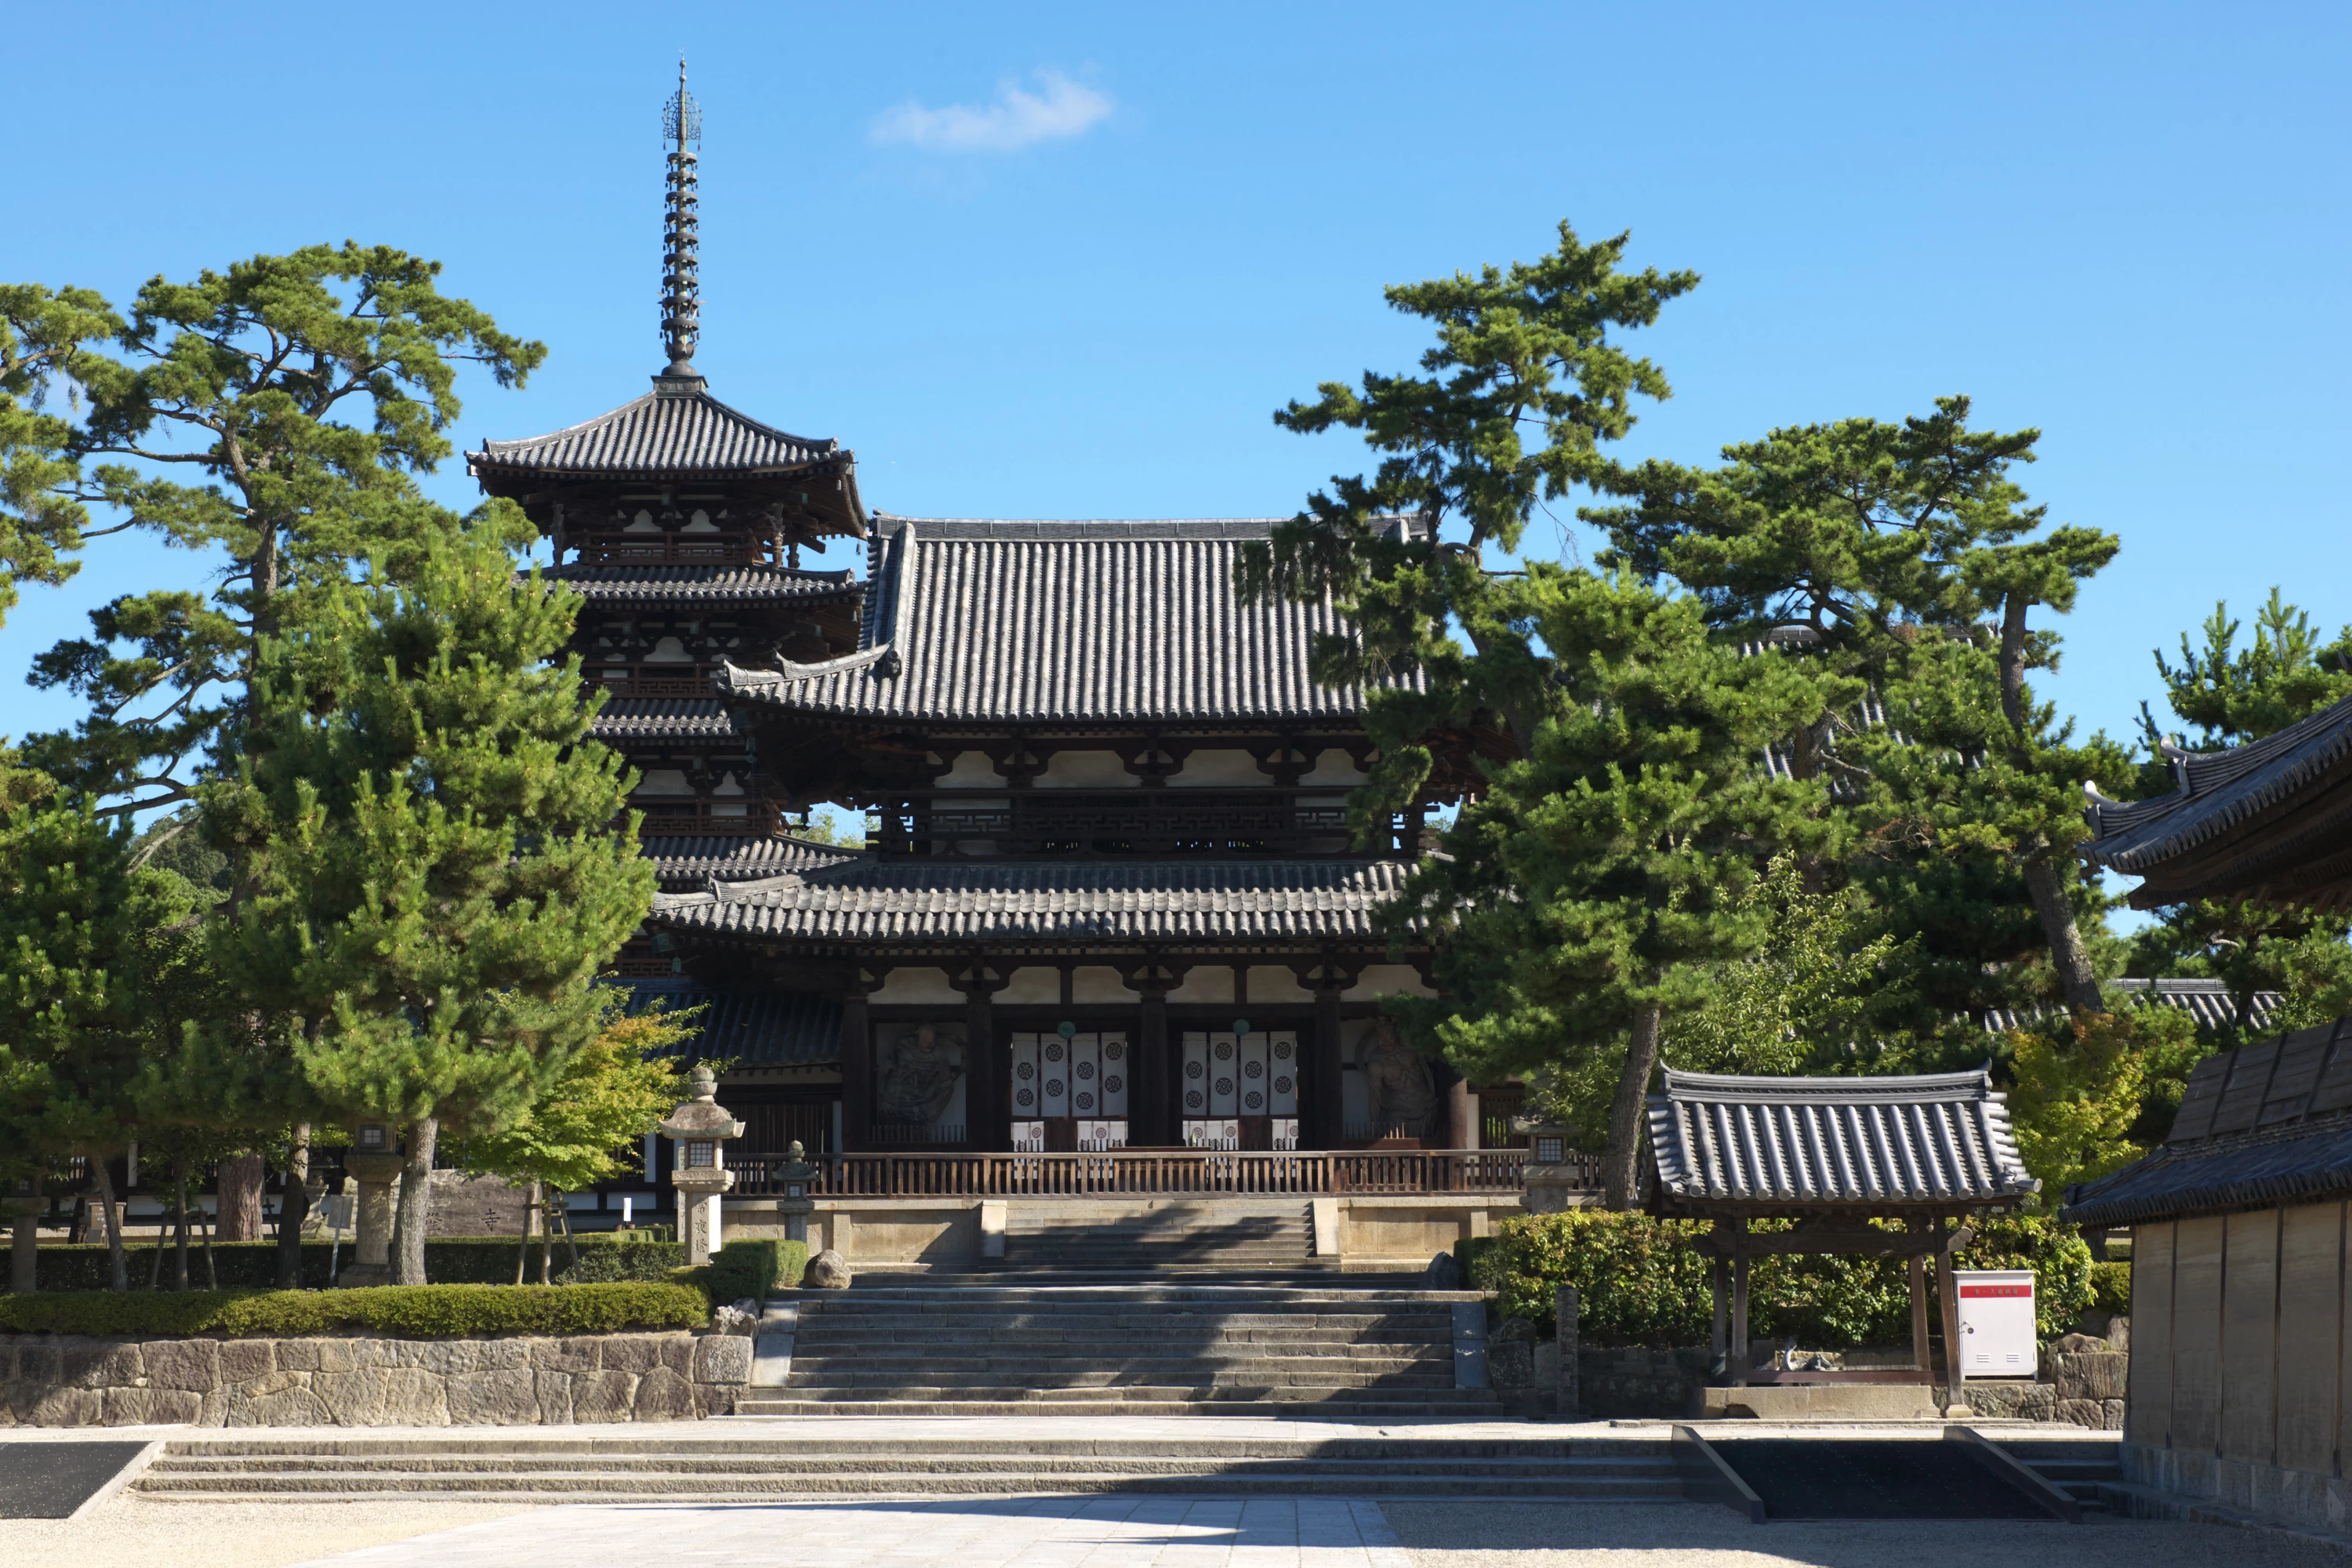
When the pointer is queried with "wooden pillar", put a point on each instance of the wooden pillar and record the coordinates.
(1329, 1103)
(1948, 1292)
(1151, 1118)
(987, 1117)
(1718, 1277)
(1919, 1312)
(1461, 1115)
(857, 1072)
(1739, 1304)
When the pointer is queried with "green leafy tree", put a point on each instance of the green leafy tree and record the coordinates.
(1588, 903)
(580, 1131)
(434, 875)
(274, 417)
(2077, 1099)
(2235, 694)
(1802, 1000)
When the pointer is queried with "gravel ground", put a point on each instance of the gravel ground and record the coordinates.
(1629, 1535)
(132, 1529)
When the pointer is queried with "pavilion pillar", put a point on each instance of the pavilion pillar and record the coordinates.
(857, 1068)
(1152, 1093)
(1323, 1118)
(1718, 1278)
(1919, 1311)
(1948, 1292)
(1739, 1358)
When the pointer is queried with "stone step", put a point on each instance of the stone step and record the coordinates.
(1229, 1396)
(608, 1489)
(624, 1442)
(1141, 1293)
(661, 1465)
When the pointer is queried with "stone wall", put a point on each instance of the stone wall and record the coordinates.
(1627, 1382)
(367, 1381)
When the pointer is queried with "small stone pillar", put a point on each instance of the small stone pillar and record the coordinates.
(796, 1205)
(376, 1163)
(25, 1204)
(1565, 1308)
(700, 1129)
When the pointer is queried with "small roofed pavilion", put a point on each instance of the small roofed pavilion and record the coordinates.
(1832, 1154)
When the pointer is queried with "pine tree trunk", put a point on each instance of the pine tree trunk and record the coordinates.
(212, 1267)
(529, 1208)
(179, 1222)
(1628, 1116)
(118, 1267)
(294, 1210)
(415, 1204)
(240, 1198)
(2077, 980)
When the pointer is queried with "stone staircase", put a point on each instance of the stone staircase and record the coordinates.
(975, 1347)
(2085, 1469)
(661, 1465)
(1163, 1240)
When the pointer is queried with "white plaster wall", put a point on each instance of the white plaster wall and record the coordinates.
(910, 986)
(665, 781)
(1209, 982)
(1034, 985)
(1387, 980)
(1220, 768)
(1334, 767)
(1086, 770)
(1276, 982)
(1099, 983)
(972, 770)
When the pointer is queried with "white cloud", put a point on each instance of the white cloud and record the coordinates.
(1016, 119)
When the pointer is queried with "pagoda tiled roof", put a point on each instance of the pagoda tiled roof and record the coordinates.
(693, 861)
(1793, 1145)
(676, 429)
(698, 584)
(627, 719)
(919, 902)
(752, 1028)
(1038, 623)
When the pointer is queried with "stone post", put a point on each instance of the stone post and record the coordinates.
(796, 1205)
(375, 1165)
(700, 1129)
(25, 1206)
(1565, 1306)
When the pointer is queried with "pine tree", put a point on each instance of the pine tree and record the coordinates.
(435, 877)
(1590, 900)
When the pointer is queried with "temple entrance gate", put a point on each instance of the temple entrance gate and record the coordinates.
(1070, 1091)
(1241, 1090)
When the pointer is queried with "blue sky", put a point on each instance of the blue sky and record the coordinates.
(1061, 262)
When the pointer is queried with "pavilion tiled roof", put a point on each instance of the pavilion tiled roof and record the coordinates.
(2270, 820)
(676, 429)
(1793, 1145)
(752, 1028)
(755, 583)
(933, 901)
(2261, 1126)
(1043, 623)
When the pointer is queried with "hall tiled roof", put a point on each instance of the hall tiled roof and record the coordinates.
(626, 719)
(1033, 623)
(752, 1028)
(672, 429)
(2209, 1002)
(926, 902)
(685, 863)
(2261, 1126)
(2270, 820)
(702, 584)
(1793, 1145)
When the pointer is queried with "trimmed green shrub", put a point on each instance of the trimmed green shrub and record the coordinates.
(448, 1260)
(751, 1269)
(1639, 1283)
(627, 1261)
(407, 1311)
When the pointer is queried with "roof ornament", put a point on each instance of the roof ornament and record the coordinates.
(681, 296)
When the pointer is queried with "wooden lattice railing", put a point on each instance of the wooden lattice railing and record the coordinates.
(1140, 1171)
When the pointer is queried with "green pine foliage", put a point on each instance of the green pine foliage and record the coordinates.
(434, 877)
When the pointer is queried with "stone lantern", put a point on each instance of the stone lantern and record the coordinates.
(1555, 1172)
(796, 1177)
(374, 1162)
(700, 1129)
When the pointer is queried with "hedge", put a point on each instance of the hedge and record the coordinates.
(405, 1312)
(1639, 1283)
(748, 1269)
(643, 1254)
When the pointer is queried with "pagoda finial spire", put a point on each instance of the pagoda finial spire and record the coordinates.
(681, 296)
